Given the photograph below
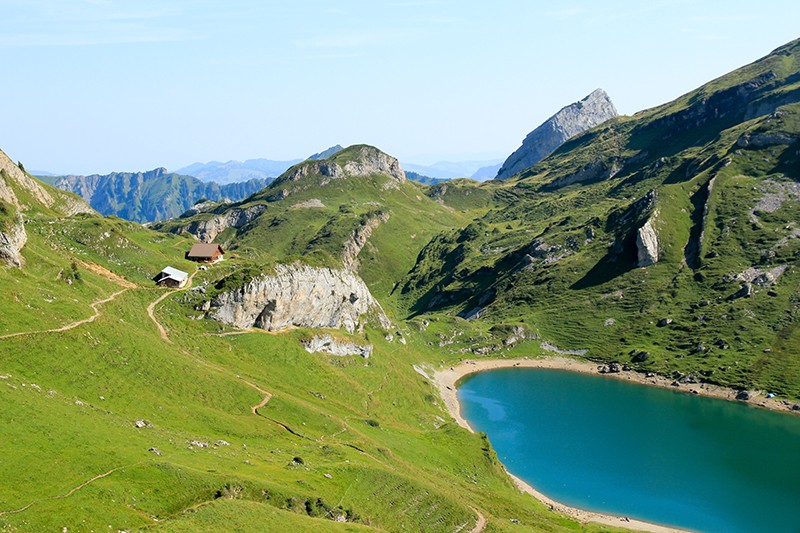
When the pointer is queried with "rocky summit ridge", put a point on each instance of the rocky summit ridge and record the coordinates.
(354, 161)
(571, 120)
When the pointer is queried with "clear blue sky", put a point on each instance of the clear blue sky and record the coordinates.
(103, 85)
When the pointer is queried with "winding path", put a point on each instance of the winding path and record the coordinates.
(94, 305)
(152, 307)
(165, 335)
(71, 491)
(480, 522)
(97, 269)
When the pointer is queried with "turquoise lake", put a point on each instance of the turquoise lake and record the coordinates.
(648, 453)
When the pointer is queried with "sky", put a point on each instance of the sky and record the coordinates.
(95, 86)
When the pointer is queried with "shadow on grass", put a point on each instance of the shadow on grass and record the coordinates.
(608, 268)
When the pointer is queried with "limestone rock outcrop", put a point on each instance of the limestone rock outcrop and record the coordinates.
(353, 245)
(302, 296)
(573, 119)
(12, 172)
(65, 204)
(11, 242)
(647, 245)
(327, 344)
(12, 230)
(207, 230)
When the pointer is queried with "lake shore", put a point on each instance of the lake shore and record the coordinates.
(447, 379)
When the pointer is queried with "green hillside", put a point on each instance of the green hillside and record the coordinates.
(714, 173)
(107, 423)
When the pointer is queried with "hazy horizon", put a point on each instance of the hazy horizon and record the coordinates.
(102, 86)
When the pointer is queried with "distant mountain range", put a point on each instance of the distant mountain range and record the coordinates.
(454, 169)
(158, 195)
(425, 180)
(236, 171)
(150, 196)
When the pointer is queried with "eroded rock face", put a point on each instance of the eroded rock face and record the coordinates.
(207, 230)
(302, 296)
(353, 245)
(327, 344)
(30, 185)
(570, 121)
(67, 205)
(647, 245)
(12, 234)
(11, 243)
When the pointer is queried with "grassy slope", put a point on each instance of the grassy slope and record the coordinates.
(70, 400)
(588, 294)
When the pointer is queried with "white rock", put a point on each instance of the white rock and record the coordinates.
(326, 343)
(647, 245)
(299, 295)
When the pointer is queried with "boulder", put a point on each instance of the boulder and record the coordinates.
(327, 344)
(743, 395)
(745, 291)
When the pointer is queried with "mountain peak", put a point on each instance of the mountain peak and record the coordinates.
(353, 161)
(571, 120)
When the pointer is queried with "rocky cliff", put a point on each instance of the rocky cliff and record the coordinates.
(360, 236)
(12, 173)
(299, 295)
(207, 230)
(12, 239)
(14, 180)
(570, 121)
(647, 245)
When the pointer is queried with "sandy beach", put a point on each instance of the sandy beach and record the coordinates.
(447, 380)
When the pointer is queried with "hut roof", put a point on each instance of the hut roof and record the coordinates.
(205, 250)
(174, 273)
